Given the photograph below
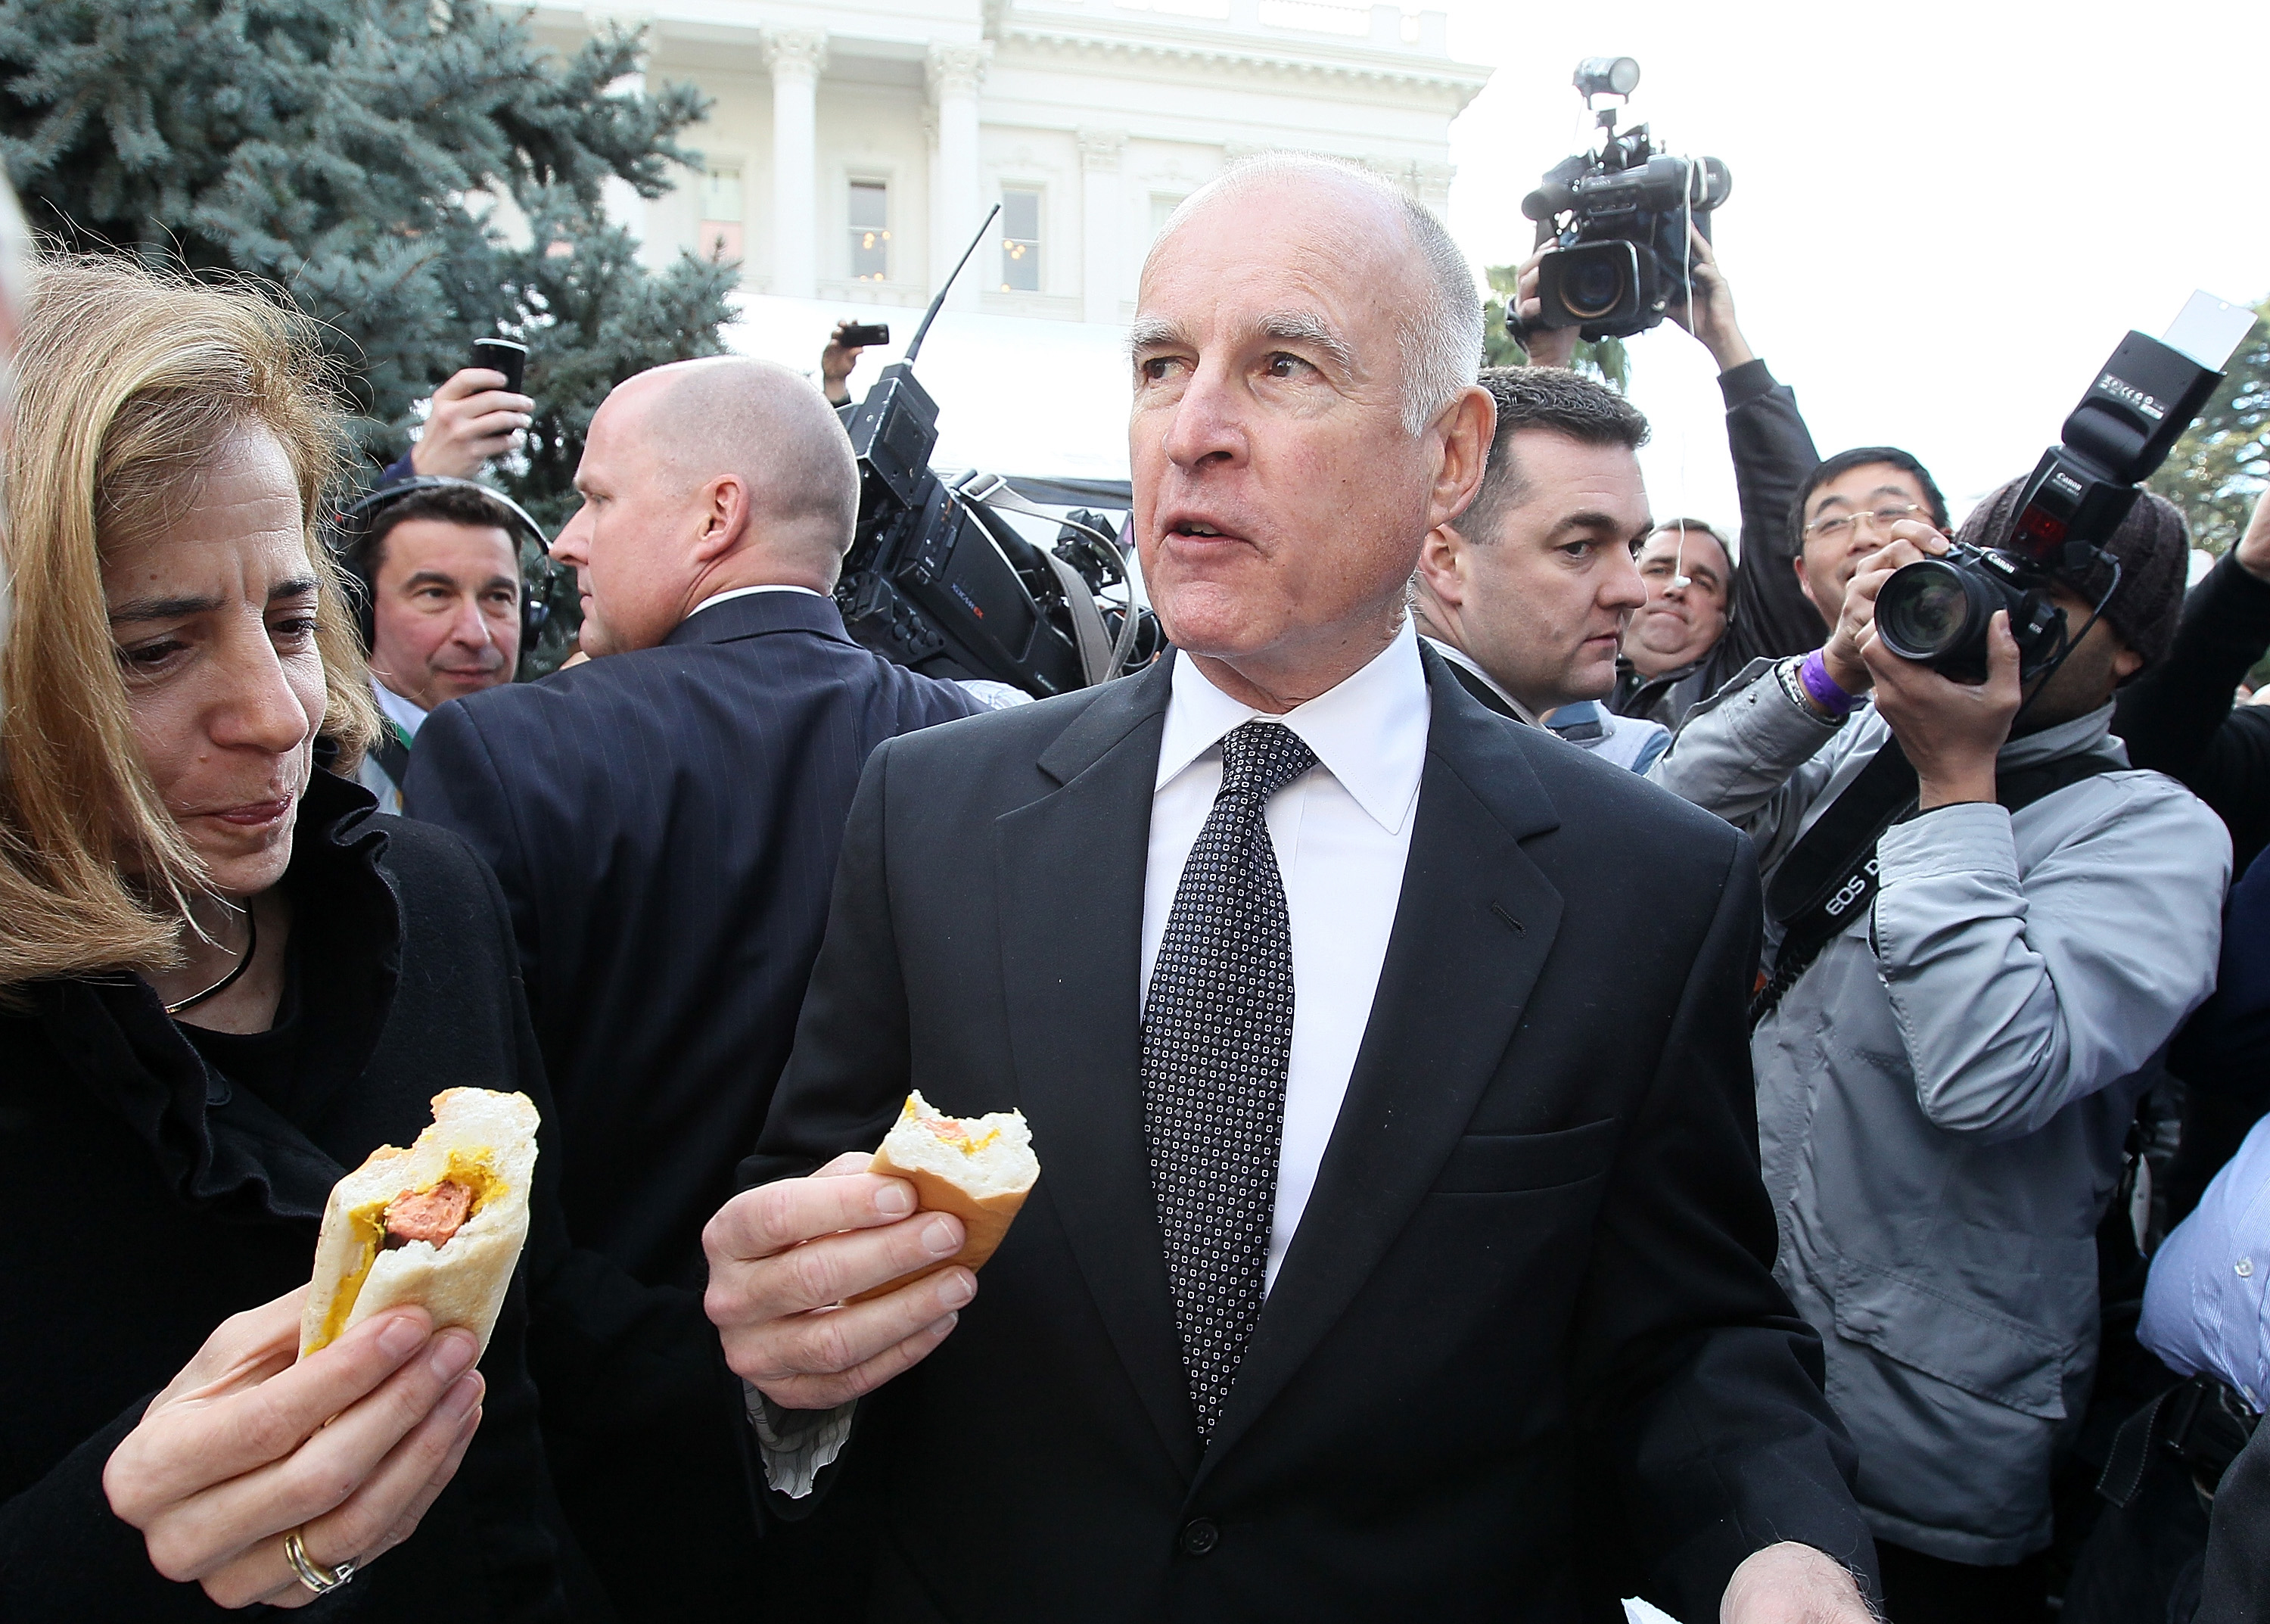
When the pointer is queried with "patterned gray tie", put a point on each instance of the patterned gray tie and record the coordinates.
(1217, 1033)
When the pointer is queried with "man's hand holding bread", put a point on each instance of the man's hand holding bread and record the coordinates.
(809, 1284)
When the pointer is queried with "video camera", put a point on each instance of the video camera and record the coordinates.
(1936, 610)
(938, 579)
(1620, 215)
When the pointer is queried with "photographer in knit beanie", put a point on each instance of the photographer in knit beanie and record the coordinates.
(1976, 945)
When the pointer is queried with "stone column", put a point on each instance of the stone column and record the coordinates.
(955, 72)
(1103, 208)
(796, 57)
(1431, 180)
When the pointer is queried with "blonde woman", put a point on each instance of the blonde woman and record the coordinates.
(222, 982)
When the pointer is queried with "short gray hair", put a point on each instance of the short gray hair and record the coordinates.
(735, 414)
(1440, 334)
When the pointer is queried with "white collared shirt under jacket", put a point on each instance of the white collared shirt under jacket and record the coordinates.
(1342, 831)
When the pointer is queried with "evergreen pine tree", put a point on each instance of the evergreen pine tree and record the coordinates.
(352, 154)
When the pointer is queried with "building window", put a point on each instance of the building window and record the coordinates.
(870, 231)
(1021, 240)
(720, 237)
(1163, 205)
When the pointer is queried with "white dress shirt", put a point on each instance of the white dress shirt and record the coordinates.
(1342, 831)
(407, 718)
(728, 595)
(407, 714)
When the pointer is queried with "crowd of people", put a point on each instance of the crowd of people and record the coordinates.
(1564, 1069)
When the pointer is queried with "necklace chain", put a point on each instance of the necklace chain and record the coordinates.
(251, 946)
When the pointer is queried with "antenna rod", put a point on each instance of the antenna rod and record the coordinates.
(931, 315)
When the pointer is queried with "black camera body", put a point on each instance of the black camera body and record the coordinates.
(1936, 610)
(1620, 216)
(938, 581)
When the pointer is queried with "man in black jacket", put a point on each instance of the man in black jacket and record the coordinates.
(1399, 1249)
(665, 819)
(2179, 716)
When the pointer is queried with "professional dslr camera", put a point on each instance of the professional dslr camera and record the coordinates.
(1936, 610)
(1620, 216)
(938, 579)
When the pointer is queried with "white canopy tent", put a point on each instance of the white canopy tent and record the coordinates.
(1014, 396)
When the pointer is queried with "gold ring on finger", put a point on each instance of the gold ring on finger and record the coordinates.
(320, 1580)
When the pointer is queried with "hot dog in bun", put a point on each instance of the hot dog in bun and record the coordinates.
(439, 1225)
(979, 1169)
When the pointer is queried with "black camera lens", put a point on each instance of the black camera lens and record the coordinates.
(1593, 287)
(1924, 610)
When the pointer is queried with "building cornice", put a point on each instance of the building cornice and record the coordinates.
(1320, 66)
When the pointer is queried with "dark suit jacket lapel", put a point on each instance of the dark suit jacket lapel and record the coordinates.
(1068, 874)
(1474, 910)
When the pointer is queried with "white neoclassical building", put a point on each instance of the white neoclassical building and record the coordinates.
(853, 149)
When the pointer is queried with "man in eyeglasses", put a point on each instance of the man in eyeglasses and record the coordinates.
(1841, 515)
(1805, 524)
(1845, 513)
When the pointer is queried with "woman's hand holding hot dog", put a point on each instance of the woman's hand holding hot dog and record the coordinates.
(349, 1446)
(783, 1256)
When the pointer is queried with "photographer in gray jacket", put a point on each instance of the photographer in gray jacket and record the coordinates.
(1974, 958)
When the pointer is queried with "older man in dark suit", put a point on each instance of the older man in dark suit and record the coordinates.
(1400, 1249)
(665, 819)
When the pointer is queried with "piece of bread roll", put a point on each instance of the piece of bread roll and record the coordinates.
(979, 1169)
(439, 1225)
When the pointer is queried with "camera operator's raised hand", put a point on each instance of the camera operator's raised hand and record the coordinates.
(1710, 317)
(1546, 347)
(835, 364)
(785, 1256)
(1843, 655)
(1951, 731)
(474, 419)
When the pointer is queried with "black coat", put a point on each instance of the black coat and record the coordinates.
(1768, 614)
(1528, 1311)
(151, 1197)
(2234, 1585)
(2179, 716)
(665, 824)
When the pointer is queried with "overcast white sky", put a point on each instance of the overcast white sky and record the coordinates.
(1944, 215)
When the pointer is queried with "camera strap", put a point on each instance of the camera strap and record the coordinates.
(1093, 642)
(1830, 878)
(1102, 655)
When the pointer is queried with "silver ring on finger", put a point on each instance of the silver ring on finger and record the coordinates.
(320, 1580)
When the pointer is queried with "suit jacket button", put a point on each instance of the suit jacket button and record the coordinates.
(1200, 1535)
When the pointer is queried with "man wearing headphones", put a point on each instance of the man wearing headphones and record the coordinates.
(445, 612)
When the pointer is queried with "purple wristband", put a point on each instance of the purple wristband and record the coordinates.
(1822, 688)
